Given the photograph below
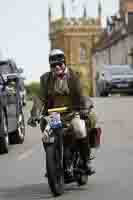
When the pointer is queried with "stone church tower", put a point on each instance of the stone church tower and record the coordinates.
(76, 36)
(126, 11)
(126, 6)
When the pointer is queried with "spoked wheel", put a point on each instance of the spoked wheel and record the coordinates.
(54, 170)
(4, 141)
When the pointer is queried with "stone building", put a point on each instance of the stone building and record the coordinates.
(116, 43)
(76, 36)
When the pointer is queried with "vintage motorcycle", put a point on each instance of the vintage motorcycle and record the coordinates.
(62, 155)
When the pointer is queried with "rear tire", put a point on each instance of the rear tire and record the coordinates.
(55, 173)
(82, 180)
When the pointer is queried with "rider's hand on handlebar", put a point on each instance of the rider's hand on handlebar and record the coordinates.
(84, 114)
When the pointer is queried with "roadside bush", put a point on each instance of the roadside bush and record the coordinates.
(32, 89)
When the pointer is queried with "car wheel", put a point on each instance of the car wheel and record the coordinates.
(104, 94)
(4, 141)
(18, 136)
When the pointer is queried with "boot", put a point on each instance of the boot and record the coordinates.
(84, 151)
(88, 168)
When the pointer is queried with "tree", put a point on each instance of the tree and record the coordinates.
(33, 89)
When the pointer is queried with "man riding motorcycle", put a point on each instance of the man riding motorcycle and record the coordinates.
(62, 87)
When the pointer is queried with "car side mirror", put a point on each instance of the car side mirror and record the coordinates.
(8, 78)
(12, 77)
(20, 70)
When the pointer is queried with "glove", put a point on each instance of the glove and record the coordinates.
(84, 114)
(32, 122)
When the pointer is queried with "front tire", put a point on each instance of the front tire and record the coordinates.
(54, 171)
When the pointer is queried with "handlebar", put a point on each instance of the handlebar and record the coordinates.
(61, 109)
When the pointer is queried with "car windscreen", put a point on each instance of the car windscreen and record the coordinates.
(5, 69)
(121, 71)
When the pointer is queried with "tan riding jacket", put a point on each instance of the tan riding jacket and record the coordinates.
(52, 96)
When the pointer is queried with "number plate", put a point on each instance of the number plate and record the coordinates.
(55, 120)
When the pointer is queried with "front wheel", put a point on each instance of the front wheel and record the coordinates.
(54, 170)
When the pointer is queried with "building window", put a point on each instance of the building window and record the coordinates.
(83, 55)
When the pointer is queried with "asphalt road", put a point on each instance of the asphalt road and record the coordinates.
(22, 169)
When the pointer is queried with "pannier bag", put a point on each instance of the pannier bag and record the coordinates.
(95, 137)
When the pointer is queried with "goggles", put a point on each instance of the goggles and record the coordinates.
(53, 65)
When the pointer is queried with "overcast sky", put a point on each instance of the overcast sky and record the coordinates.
(24, 29)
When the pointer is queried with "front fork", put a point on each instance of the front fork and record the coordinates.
(56, 138)
(59, 145)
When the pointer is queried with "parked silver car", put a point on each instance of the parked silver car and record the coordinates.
(12, 123)
(115, 79)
